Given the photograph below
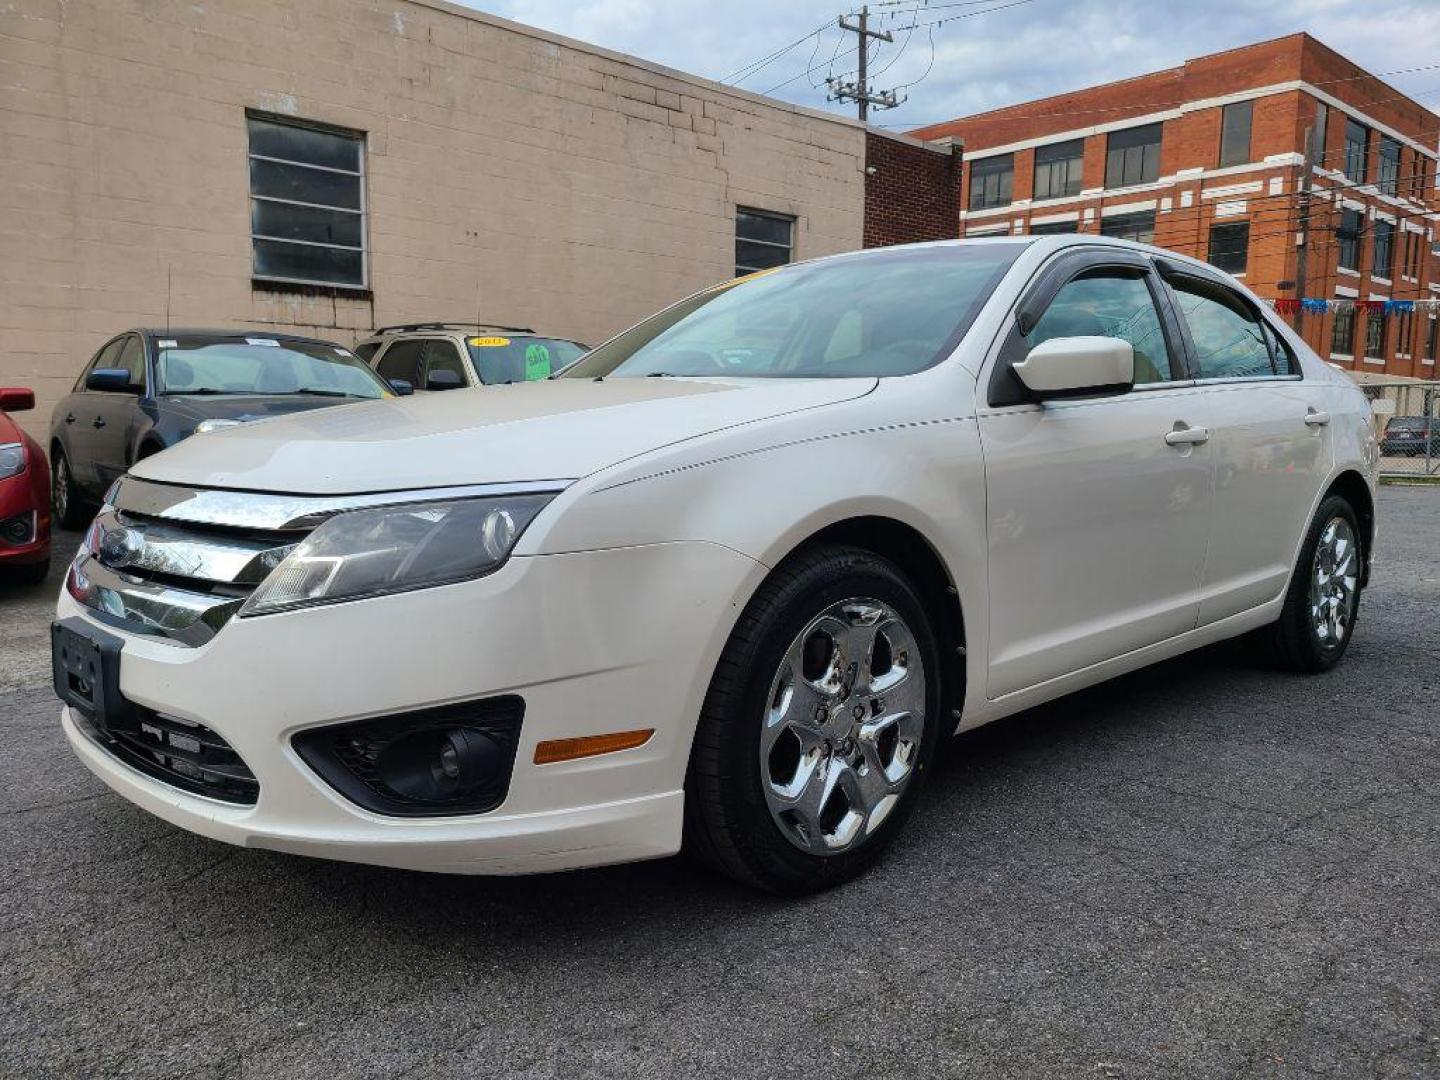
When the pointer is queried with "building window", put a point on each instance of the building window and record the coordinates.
(1342, 333)
(1430, 338)
(1375, 335)
(1055, 228)
(762, 240)
(1357, 150)
(1230, 246)
(992, 180)
(1347, 238)
(1389, 166)
(1235, 133)
(1322, 121)
(1057, 169)
(1132, 156)
(1139, 227)
(1381, 266)
(307, 203)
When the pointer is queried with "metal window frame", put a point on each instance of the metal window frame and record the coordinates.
(362, 212)
(982, 172)
(789, 248)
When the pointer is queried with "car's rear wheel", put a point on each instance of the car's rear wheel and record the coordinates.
(28, 574)
(1318, 619)
(819, 725)
(65, 498)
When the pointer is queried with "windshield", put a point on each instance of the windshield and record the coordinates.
(885, 312)
(261, 365)
(500, 359)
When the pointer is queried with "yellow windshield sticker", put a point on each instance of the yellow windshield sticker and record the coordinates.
(489, 342)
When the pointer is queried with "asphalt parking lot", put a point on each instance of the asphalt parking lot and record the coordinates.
(1203, 870)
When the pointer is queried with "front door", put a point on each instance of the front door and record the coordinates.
(117, 414)
(1097, 508)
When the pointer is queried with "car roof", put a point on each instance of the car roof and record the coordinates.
(389, 333)
(225, 332)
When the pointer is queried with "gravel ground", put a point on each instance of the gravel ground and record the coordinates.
(1203, 870)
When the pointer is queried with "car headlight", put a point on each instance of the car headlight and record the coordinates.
(12, 459)
(390, 549)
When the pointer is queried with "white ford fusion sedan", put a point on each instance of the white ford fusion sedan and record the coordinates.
(730, 580)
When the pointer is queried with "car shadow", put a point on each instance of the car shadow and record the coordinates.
(579, 904)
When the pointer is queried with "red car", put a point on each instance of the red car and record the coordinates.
(24, 496)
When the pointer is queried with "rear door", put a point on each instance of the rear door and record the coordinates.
(1097, 508)
(1271, 441)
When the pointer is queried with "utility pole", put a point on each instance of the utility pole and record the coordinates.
(1303, 204)
(859, 90)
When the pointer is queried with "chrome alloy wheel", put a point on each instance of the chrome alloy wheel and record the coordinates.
(1333, 580)
(843, 727)
(60, 488)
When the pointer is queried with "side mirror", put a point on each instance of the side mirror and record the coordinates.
(16, 399)
(1070, 366)
(403, 387)
(444, 380)
(111, 381)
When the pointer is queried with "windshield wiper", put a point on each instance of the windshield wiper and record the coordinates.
(321, 392)
(202, 390)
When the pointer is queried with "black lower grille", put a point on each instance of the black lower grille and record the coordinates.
(18, 530)
(176, 752)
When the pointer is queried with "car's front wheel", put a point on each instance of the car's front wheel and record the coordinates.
(819, 725)
(1318, 619)
(65, 497)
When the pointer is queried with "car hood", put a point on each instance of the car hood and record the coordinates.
(193, 408)
(553, 430)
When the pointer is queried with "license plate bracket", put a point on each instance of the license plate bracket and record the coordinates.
(85, 663)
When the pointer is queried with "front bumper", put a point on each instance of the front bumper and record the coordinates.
(594, 642)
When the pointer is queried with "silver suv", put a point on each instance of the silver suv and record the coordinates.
(449, 356)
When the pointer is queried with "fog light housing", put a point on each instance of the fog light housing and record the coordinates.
(439, 764)
(454, 759)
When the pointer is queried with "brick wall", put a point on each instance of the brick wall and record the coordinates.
(912, 192)
(511, 174)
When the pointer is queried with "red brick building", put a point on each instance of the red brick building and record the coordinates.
(1208, 159)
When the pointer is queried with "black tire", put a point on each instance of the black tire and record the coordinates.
(30, 574)
(68, 503)
(1294, 641)
(728, 824)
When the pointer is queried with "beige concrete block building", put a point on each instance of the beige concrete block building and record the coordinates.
(329, 166)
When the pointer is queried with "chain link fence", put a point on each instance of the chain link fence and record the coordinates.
(1407, 420)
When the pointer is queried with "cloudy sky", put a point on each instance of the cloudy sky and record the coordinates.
(988, 52)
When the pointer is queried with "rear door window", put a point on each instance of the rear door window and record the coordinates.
(1228, 336)
(366, 351)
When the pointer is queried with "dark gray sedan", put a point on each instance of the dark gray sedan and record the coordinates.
(147, 389)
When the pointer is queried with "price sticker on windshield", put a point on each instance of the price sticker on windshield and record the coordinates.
(489, 342)
(167, 343)
(262, 341)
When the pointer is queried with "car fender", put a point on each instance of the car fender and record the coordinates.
(765, 489)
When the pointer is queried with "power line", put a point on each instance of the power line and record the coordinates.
(993, 114)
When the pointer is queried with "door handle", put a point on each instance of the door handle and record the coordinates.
(1187, 436)
(70, 418)
(1317, 419)
(99, 421)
